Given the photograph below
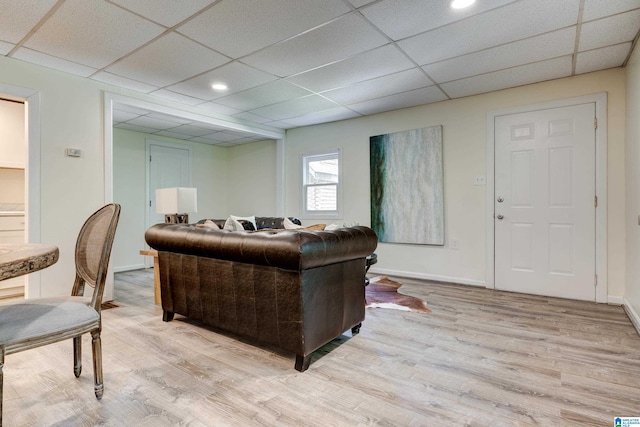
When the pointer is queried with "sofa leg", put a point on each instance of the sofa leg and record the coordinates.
(303, 362)
(356, 329)
(167, 316)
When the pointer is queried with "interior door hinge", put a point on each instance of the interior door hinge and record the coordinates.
(595, 123)
(596, 280)
(149, 203)
(595, 201)
(149, 157)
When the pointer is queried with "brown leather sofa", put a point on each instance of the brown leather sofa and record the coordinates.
(292, 289)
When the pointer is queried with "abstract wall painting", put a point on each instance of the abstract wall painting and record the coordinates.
(407, 191)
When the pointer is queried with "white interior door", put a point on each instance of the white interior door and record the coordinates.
(545, 202)
(168, 166)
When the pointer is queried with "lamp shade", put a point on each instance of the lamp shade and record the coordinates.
(176, 200)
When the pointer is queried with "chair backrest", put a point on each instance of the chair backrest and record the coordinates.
(93, 250)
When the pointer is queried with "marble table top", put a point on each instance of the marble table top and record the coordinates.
(23, 258)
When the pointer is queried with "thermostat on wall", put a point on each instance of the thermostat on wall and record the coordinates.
(73, 152)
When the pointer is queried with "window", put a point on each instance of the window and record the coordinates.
(321, 184)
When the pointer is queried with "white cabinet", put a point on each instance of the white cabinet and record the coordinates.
(12, 231)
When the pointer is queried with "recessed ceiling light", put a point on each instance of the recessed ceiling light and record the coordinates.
(219, 86)
(461, 4)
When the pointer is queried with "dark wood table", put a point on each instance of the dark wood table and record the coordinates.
(23, 258)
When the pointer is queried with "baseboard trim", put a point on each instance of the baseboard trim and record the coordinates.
(633, 316)
(424, 276)
(128, 268)
(615, 300)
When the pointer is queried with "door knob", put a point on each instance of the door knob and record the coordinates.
(500, 216)
(500, 199)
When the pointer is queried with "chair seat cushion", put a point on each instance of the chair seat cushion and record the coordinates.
(44, 318)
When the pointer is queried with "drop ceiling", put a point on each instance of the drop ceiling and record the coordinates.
(290, 63)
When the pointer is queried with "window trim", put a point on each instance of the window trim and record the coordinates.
(305, 159)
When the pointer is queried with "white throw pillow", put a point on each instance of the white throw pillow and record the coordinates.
(290, 225)
(232, 224)
(251, 219)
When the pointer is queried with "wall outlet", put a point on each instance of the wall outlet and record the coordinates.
(479, 180)
(455, 244)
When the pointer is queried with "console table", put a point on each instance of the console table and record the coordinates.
(156, 273)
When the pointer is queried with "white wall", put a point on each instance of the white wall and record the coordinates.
(252, 179)
(632, 289)
(464, 138)
(129, 189)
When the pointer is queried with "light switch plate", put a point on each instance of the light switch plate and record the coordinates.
(73, 152)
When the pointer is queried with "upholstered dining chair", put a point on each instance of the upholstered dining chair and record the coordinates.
(31, 323)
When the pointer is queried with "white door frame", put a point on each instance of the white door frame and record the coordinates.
(600, 100)
(31, 98)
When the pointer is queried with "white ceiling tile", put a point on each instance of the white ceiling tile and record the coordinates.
(150, 63)
(18, 17)
(239, 27)
(380, 87)
(603, 58)
(134, 128)
(280, 124)
(295, 107)
(165, 12)
(218, 108)
(190, 130)
(332, 115)
(236, 76)
(94, 33)
(594, 9)
(150, 122)
(6, 47)
(269, 93)
(207, 139)
(403, 18)
(401, 100)
(513, 22)
(360, 3)
(49, 61)
(130, 109)
(512, 77)
(609, 31)
(168, 118)
(374, 63)
(122, 116)
(226, 136)
(546, 46)
(112, 79)
(252, 117)
(174, 135)
(177, 97)
(337, 40)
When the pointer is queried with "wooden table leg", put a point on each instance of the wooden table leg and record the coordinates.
(156, 274)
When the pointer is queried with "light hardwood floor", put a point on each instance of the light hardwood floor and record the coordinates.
(480, 358)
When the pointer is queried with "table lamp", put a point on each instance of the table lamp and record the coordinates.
(176, 203)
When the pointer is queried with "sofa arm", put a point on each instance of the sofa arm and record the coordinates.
(288, 249)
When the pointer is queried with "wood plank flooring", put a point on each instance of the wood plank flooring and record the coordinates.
(480, 358)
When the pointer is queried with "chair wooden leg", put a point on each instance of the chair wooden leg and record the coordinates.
(96, 344)
(1, 380)
(77, 356)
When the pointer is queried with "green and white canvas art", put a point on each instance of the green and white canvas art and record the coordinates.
(407, 192)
